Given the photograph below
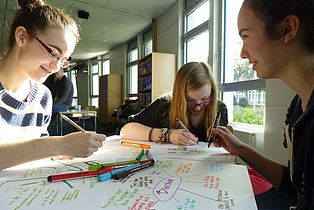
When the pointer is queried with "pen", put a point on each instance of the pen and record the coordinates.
(149, 155)
(110, 174)
(76, 175)
(216, 123)
(134, 144)
(183, 126)
(139, 157)
(125, 173)
(72, 123)
(115, 164)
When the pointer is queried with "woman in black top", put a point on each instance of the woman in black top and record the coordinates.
(193, 101)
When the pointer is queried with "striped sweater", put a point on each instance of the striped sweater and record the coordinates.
(25, 120)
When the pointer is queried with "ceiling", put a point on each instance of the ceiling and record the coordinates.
(110, 22)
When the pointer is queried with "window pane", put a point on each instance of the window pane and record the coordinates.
(95, 82)
(197, 48)
(148, 47)
(133, 55)
(133, 79)
(106, 67)
(95, 102)
(237, 69)
(198, 16)
(95, 67)
(73, 79)
(245, 106)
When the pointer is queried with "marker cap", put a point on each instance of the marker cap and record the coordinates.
(104, 177)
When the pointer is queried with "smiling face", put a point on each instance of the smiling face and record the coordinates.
(266, 55)
(198, 100)
(37, 61)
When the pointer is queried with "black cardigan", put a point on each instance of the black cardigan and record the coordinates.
(157, 115)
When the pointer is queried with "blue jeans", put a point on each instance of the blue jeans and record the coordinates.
(60, 108)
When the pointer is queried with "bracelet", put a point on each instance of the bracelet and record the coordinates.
(161, 139)
(168, 136)
(150, 134)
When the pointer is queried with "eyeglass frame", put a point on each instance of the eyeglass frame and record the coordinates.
(204, 103)
(52, 53)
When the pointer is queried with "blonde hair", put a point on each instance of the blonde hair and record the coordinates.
(192, 76)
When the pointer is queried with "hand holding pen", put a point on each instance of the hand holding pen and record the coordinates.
(79, 144)
(183, 138)
(216, 123)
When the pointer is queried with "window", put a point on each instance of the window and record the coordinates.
(196, 34)
(105, 67)
(72, 76)
(148, 41)
(243, 92)
(94, 95)
(132, 69)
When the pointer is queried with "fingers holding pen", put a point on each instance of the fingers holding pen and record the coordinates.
(82, 144)
(182, 137)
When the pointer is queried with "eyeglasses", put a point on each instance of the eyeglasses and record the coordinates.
(204, 103)
(53, 54)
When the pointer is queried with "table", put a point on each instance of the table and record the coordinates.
(193, 177)
(79, 114)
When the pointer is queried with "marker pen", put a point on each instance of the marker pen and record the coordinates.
(134, 144)
(139, 157)
(125, 173)
(110, 174)
(101, 165)
(76, 175)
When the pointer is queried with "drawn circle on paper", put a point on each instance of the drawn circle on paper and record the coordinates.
(166, 188)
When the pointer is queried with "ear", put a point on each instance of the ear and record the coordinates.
(20, 36)
(291, 26)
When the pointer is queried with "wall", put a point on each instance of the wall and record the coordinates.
(278, 97)
(167, 31)
(118, 65)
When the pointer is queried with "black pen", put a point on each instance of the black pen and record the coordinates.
(125, 173)
(183, 126)
(216, 123)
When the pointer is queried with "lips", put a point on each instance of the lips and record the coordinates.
(46, 70)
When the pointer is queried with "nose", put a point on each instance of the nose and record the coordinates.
(244, 53)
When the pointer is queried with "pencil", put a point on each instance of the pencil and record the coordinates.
(216, 123)
(71, 122)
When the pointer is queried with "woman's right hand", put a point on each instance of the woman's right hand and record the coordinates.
(81, 144)
(224, 138)
(182, 137)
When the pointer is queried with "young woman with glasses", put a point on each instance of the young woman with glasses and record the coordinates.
(41, 40)
(193, 101)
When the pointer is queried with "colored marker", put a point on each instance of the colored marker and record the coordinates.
(126, 164)
(76, 175)
(134, 144)
(110, 174)
(125, 173)
(99, 166)
(139, 157)
(216, 123)
(149, 155)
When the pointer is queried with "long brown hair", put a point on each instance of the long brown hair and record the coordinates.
(35, 16)
(192, 76)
